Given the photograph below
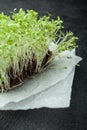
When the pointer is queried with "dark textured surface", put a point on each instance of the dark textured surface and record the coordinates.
(74, 15)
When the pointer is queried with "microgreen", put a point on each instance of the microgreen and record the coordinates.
(24, 37)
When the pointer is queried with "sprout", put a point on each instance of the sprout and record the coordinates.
(25, 40)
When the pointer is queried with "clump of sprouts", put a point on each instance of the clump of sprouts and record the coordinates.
(25, 42)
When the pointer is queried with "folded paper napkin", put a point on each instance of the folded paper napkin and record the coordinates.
(51, 88)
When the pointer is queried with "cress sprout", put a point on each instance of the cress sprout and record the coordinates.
(25, 41)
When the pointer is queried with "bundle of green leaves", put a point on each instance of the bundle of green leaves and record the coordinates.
(26, 39)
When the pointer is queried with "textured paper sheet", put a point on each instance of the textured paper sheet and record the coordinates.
(51, 88)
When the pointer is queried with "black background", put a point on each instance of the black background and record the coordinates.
(74, 15)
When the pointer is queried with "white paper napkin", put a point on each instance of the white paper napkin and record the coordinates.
(52, 88)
